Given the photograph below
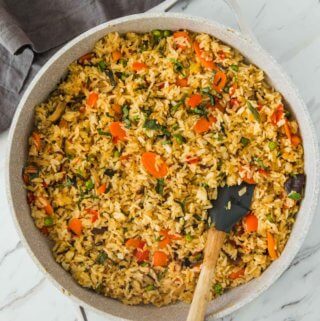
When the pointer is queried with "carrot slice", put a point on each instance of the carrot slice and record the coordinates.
(48, 209)
(160, 258)
(263, 171)
(116, 108)
(205, 63)
(92, 99)
(141, 255)
(271, 246)
(94, 213)
(136, 66)
(219, 81)
(277, 115)
(75, 226)
(249, 180)
(203, 125)
(251, 223)
(116, 55)
(101, 189)
(184, 35)
(165, 233)
(117, 130)
(237, 274)
(194, 100)
(193, 160)
(135, 243)
(149, 161)
(182, 82)
(36, 140)
(287, 130)
(163, 243)
(295, 140)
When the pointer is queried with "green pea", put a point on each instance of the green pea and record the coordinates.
(234, 68)
(89, 185)
(150, 287)
(116, 154)
(157, 33)
(48, 221)
(272, 145)
(189, 237)
(167, 33)
(218, 288)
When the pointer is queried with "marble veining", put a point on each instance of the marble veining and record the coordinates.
(289, 30)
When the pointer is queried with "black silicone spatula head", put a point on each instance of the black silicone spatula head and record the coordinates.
(232, 204)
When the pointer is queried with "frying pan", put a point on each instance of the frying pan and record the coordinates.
(47, 78)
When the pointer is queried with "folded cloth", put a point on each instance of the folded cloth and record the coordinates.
(32, 30)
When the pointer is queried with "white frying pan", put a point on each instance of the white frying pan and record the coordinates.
(37, 244)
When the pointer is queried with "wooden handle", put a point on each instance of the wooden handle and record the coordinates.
(201, 295)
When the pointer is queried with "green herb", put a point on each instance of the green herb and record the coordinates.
(125, 116)
(226, 89)
(167, 142)
(244, 141)
(154, 125)
(144, 45)
(89, 185)
(295, 196)
(102, 65)
(235, 68)
(68, 182)
(136, 118)
(150, 287)
(48, 221)
(160, 186)
(207, 91)
(182, 205)
(200, 110)
(116, 153)
(109, 172)
(270, 218)
(189, 237)
(218, 289)
(110, 74)
(180, 139)
(198, 257)
(220, 137)
(254, 112)
(79, 174)
(101, 258)
(175, 127)
(272, 145)
(260, 163)
(123, 62)
(144, 264)
(101, 132)
(178, 67)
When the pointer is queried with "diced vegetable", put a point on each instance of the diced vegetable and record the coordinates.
(182, 82)
(102, 65)
(116, 108)
(251, 223)
(249, 179)
(163, 243)
(75, 225)
(295, 196)
(117, 130)
(150, 287)
(36, 140)
(116, 55)
(160, 186)
(101, 258)
(219, 81)
(142, 256)
(244, 141)
(189, 237)
(48, 221)
(48, 209)
(271, 246)
(167, 33)
(194, 100)
(160, 258)
(179, 139)
(125, 116)
(154, 165)
(277, 115)
(272, 145)
(254, 112)
(92, 99)
(295, 140)
(94, 214)
(203, 124)
(102, 189)
(184, 35)
(237, 274)
(86, 57)
(209, 64)
(235, 68)
(89, 185)
(135, 243)
(218, 289)
(137, 66)
(287, 130)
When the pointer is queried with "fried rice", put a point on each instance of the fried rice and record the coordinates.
(128, 152)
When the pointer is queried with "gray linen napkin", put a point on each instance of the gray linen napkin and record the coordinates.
(32, 30)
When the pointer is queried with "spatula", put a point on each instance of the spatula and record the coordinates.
(232, 204)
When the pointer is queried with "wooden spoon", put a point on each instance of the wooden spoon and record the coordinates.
(231, 205)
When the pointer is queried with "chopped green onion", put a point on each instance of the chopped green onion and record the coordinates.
(89, 185)
(160, 186)
(150, 287)
(218, 288)
(244, 141)
(101, 258)
(167, 33)
(125, 116)
(270, 218)
(144, 264)
(101, 132)
(235, 68)
(254, 112)
(48, 221)
(295, 196)
(179, 138)
(189, 237)
(272, 145)
(116, 153)
(109, 172)
(102, 65)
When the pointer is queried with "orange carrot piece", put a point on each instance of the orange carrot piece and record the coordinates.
(101, 189)
(94, 213)
(141, 256)
(75, 225)
(165, 233)
(194, 100)
(149, 161)
(237, 274)
(182, 82)
(263, 171)
(136, 66)
(251, 222)
(163, 243)
(160, 258)
(295, 140)
(287, 130)
(48, 209)
(117, 130)
(181, 34)
(271, 246)
(203, 125)
(135, 243)
(116, 108)
(193, 160)
(277, 114)
(249, 180)
(116, 55)
(219, 81)
(36, 140)
(205, 63)
(92, 99)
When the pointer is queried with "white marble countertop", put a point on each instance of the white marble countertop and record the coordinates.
(290, 31)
